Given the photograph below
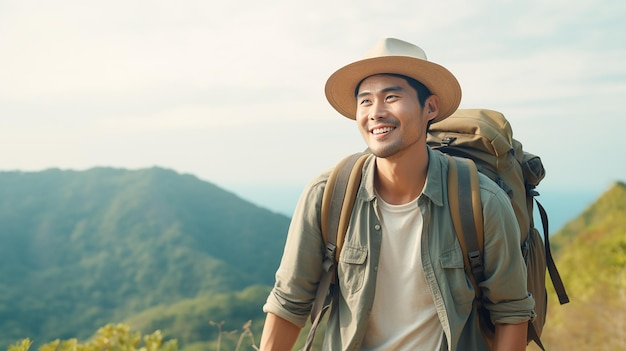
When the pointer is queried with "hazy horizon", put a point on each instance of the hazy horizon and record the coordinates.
(562, 205)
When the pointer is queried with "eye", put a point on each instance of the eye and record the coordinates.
(390, 98)
(365, 101)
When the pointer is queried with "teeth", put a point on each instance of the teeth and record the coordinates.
(382, 130)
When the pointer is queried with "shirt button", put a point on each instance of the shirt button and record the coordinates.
(375, 268)
(377, 227)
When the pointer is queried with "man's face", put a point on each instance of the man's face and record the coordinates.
(389, 115)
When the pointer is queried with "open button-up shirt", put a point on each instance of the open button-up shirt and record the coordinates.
(505, 292)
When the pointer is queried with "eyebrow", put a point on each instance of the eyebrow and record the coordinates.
(385, 90)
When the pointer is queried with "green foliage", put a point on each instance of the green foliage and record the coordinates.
(190, 320)
(22, 345)
(592, 263)
(81, 249)
(605, 211)
(112, 337)
(119, 337)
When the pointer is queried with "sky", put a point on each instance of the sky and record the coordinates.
(232, 91)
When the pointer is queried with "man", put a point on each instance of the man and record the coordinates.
(402, 284)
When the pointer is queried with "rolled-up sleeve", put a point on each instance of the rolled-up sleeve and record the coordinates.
(505, 292)
(300, 269)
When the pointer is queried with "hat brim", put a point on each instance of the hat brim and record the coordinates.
(341, 85)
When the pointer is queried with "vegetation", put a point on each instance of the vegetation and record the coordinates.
(119, 337)
(81, 249)
(108, 338)
(592, 262)
(192, 321)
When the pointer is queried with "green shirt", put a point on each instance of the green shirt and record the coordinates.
(504, 289)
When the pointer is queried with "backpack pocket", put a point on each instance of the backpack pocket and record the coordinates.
(533, 169)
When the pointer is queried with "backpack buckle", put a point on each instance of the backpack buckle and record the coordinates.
(476, 264)
(531, 191)
(329, 257)
(447, 141)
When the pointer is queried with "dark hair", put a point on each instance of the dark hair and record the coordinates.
(422, 91)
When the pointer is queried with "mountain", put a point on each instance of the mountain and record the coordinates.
(79, 249)
(591, 257)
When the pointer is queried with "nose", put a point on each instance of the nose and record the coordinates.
(377, 110)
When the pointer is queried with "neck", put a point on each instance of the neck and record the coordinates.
(401, 178)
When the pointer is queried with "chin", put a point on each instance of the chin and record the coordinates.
(382, 152)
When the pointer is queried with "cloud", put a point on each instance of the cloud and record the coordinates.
(131, 84)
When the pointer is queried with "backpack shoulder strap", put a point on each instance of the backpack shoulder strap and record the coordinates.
(337, 204)
(466, 211)
(467, 216)
(338, 199)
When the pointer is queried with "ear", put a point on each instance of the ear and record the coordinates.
(431, 107)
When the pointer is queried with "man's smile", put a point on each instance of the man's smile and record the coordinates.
(382, 130)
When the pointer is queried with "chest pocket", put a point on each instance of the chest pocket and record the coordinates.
(458, 281)
(352, 268)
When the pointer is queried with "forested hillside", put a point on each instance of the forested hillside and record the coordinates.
(79, 250)
(591, 251)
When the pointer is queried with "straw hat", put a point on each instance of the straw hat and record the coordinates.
(391, 55)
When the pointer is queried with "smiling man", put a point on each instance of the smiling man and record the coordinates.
(402, 284)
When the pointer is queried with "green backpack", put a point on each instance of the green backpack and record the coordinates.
(474, 140)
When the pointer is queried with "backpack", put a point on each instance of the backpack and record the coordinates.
(474, 140)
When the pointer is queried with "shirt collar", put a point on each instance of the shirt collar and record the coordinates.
(434, 178)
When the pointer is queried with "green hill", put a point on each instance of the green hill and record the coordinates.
(591, 252)
(82, 249)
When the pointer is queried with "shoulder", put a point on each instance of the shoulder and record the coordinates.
(314, 189)
(311, 196)
(319, 181)
(498, 215)
(491, 190)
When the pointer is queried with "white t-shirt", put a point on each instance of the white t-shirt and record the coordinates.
(403, 315)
